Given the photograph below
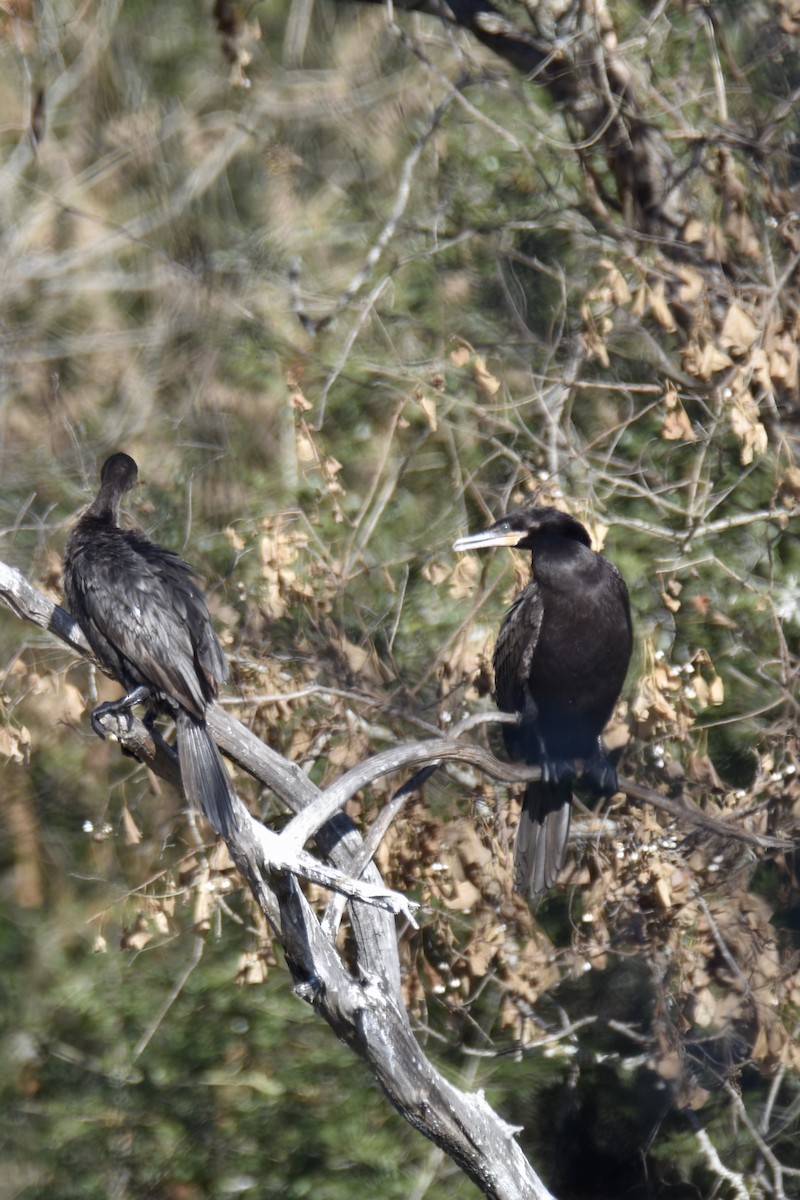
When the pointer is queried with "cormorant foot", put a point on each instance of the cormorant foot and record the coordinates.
(123, 705)
(557, 770)
(601, 774)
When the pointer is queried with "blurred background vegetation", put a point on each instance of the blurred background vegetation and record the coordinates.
(346, 285)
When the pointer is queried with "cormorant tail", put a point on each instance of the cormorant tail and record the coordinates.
(205, 780)
(542, 834)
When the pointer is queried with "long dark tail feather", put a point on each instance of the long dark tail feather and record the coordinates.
(205, 780)
(541, 844)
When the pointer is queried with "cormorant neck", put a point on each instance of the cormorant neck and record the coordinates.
(105, 506)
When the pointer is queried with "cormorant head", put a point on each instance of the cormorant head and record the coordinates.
(119, 474)
(522, 527)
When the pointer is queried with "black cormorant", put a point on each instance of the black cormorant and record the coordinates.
(560, 662)
(145, 617)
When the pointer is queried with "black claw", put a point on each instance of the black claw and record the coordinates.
(96, 726)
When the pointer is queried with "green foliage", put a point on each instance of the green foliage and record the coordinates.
(232, 1094)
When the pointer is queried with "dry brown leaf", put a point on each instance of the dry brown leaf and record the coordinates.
(139, 936)
(743, 232)
(15, 743)
(669, 1066)
(676, 425)
(465, 659)
(481, 952)
(739, 330)
(53, 700)
(296, 398)
(692, 285)
(709, 691)
(772, 1039)
(306, 452)
(484, 379)
(694, 1096)
(616, 288)
(72, 702)
(704, 1010)
(651, 711)
(694, 231)
(704, 361)
(790, 486)
(759, 365)
(347, 752)
(660, 308)
(460, 356)
(598, 531)
(700, 769)
(158, 919)
(651, 707)
(130, 830)
(663, 893)
(616, 734)
(330, 469)
(790, 16)
(252, 970)
(235, 539)
(783, 364)
(428, 407)
(595, 331)
(279, 548)
(435, 573)
(355, 656)
(204, 905)
(745, 423)
(461, 896)
(639, 306)
(365, 663)
(219, 860)
(463, 577)
(716, 248)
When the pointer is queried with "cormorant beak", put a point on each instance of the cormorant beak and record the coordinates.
(489, 537)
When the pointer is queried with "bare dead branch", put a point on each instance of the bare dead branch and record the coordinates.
(684, 813)
(252, 842)
(374, 1024)
(718, 1168)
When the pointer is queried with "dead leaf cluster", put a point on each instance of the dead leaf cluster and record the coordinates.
(281, 546)
(743, 345)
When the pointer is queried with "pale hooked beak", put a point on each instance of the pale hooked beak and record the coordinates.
(489, 537)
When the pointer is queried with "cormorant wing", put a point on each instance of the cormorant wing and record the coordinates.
(146, 603)
(514, 648)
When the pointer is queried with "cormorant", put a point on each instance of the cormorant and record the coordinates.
(145, 617)
(560, 662)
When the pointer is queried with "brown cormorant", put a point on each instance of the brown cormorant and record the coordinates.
(145, 618)
(559, 662)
